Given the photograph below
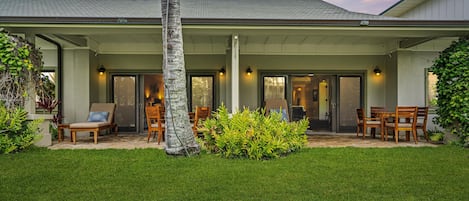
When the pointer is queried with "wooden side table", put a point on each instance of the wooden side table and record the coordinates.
(60, 131)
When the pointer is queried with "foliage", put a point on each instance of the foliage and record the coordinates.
(436, 135)
(20, 68)
(16, 132)
(452, 69)
(251, 134)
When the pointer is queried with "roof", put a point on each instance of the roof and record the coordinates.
(190, 9)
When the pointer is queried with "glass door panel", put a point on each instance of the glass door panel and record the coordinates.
(124, 95)
(274, 87)
(302, 97)
(153, 89)
(202, 92)
(350, 99)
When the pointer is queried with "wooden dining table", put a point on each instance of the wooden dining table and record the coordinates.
(384, 115)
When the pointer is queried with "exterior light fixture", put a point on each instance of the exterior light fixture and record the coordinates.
(101, 70)
(222, 70)
(249, 71)
(377, 71)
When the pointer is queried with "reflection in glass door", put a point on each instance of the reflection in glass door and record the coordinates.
(274, 87)
(124, 95)
(202, 92)
(350, 99)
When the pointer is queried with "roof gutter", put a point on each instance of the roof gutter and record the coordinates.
(245, 22)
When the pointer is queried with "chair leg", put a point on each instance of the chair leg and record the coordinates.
(95, 133)
(385, 136)
(414, 133)
(396, 135)
(160, 135)
(149, 135)
(364, 131)
(74, 137)
(358, 130)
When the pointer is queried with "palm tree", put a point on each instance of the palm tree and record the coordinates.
(179, 137)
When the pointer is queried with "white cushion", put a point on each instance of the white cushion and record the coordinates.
(89, 124)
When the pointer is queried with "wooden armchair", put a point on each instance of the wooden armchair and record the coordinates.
(366, 122)
(422, 115)
(409, 113)
(155, 121)
(201, 114)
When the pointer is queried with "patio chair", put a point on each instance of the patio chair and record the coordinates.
(277, 105)
(366, 122)
(155, 121)
(409, 114)
(100, 117)
(201, 114)
(422, 115)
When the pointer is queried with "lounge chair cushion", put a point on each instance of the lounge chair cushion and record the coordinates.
(98, 116)
(89, 124)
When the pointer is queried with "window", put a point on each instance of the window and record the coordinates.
(274, 87)
(431, 95)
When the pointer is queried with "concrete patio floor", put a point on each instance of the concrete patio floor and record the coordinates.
(139, 141)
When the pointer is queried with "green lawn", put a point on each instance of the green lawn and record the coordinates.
(312, 174)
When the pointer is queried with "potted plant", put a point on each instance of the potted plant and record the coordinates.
(436, 136)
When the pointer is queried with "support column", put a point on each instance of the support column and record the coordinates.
(30, 102)
(234, 73)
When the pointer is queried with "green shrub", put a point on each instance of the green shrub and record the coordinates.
(452, 69)
(251, 134)
(16, 132)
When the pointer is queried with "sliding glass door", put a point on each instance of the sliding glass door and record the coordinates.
(350, 93)
(124, 94)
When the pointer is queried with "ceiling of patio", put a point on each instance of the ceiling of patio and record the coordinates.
(259, 40)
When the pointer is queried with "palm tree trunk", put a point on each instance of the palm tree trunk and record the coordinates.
(179, 137)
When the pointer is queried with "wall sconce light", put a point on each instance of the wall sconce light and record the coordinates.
(222, 70)
(249, 70)
(101, 70)
(377, 71)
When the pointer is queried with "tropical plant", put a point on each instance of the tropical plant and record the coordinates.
(452, 69)
(16, 132)
(179, 136)
(251, 134)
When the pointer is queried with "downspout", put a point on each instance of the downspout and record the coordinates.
(59, 69)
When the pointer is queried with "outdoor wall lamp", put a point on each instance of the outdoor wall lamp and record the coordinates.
(222, 70)
(377, 71)
(101, 69)
(249, 70)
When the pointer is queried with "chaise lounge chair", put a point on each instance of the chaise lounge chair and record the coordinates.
(101, 117)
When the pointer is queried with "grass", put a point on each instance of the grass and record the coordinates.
(312, 174)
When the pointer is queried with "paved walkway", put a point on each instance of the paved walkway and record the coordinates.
(139, 141)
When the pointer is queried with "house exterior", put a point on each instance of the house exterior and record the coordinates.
(319, 57)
